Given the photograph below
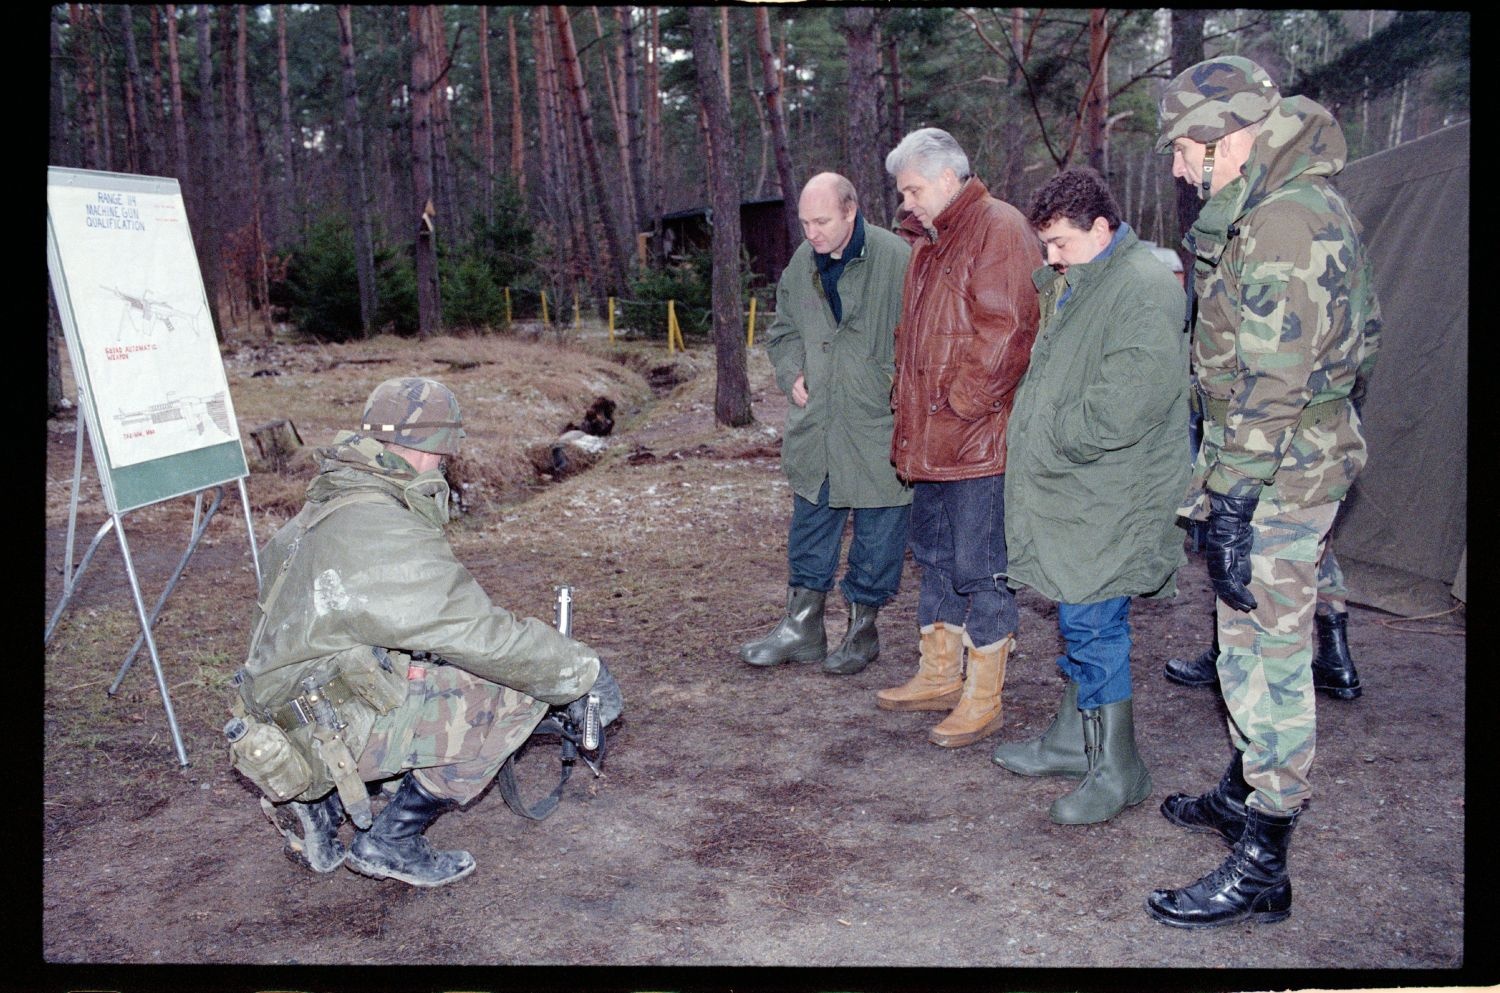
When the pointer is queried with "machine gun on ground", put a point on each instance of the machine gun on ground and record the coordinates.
(579, 724)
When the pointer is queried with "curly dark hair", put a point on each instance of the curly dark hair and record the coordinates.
(1078, 194)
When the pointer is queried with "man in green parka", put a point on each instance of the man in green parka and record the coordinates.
(377, 656)
(1098, 462)
(833, 346)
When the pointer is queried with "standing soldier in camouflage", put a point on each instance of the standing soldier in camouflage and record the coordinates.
(376, 656)
(1285, 336)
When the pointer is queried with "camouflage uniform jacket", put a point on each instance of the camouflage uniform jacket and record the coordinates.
(1288, 323)
(376, 573)
(843, 434)
(1097, 443)
(969, 316)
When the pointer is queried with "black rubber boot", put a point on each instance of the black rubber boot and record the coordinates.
(394, 848)
(1333, 670)
(1252, 883)
(1117, 777)
(1058, 752)
(311, 831)
(1221, 809)
(798, 637)
(1201, 671)
(861, 644)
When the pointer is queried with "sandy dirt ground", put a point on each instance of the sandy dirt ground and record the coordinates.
(754, 828)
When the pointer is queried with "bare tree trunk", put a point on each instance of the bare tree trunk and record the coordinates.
(732, 389)
(1187, 50)
(291, 215)
(568, 52)
(630, 57)
(357, 187)
(487, 139)
(614, 86)
(771, 71)
(653, 125)
(429, 300)
(445, 180)
(88, 96)
(207, 234)
(1096, 100)
(1015, 123)
(159, 135)
(180, 167)
(138, 145)
(764, 128)
(517, 122)
(106, 130)
(865, 170)
(897, 116)
(59, 151)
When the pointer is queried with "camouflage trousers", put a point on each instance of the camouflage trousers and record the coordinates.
(453, 732)
(1333, 595)
(1265, 656)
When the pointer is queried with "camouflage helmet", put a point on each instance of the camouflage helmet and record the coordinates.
(416, 413)
(1213, 98)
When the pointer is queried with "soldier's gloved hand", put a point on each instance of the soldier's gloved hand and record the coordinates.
(1226, 543)
(611, 701)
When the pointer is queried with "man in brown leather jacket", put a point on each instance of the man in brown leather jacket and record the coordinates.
(969, 317)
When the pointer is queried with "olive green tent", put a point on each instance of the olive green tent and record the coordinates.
(1402, 534)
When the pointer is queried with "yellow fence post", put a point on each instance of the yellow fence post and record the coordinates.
(750, 331)
(507, 306)
(671, 326)
(611, 320)
(544, 309)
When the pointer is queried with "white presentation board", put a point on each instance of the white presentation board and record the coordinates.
(141, 336)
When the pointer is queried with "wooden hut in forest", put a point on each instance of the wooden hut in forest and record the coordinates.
(763, 229)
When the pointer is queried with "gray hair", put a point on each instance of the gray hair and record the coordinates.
(929, 151)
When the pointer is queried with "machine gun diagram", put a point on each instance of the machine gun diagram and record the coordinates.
(190, 411)
(143, 313)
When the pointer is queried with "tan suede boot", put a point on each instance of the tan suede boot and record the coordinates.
(936, 686)
(978, 712)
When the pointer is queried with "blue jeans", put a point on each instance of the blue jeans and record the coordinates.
(958, 538)
(875, 553)
(1098, 656)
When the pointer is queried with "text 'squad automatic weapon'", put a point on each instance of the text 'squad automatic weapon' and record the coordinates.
(579, 726)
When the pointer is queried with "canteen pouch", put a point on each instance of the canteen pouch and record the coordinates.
(264, 754)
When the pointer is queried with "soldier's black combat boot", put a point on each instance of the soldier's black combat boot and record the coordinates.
(1332, 668)
(311, 831)
(861, 644)
(1253, 882)
(1221, 809)
(1201, 671)
(1058, 752)
(393, 847)
(798, 637)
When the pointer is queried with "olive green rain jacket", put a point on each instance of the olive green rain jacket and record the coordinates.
(1097, 446)
(844, 432)
(365, 566)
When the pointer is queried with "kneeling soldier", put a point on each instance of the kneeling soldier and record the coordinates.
(376, 656)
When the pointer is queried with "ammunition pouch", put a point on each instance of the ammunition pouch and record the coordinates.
(306, 740)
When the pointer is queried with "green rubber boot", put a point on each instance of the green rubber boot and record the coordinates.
(1117, 778)
(797, 637)
(1058, 752)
